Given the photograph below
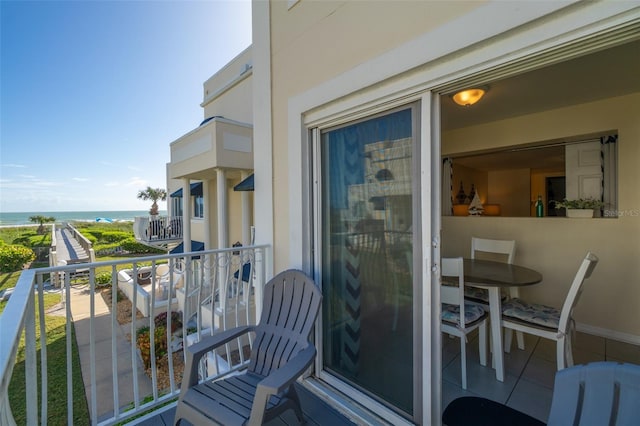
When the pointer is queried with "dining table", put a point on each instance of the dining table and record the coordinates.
(493, 276)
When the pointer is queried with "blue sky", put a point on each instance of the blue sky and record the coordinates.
(93, 92)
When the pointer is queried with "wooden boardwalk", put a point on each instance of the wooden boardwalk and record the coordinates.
(69, 249)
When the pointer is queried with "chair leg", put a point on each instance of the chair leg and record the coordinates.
(482, 338)
(508, 336)
(293, 396)
(560, 353)
(520, 338)
(514, 292)
(463, 360)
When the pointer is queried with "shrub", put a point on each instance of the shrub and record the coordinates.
(131, 245)
(97, 233)
(103, 279)
(144, 343)
(114, 236)
(176, 320)
(106, 249)
(40, 240)
(14, 257)
(22, 241)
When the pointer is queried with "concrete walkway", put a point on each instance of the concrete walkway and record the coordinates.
(102, 326)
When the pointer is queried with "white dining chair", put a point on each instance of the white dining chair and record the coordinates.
(500, 251)
(549, 322)
(460, 318)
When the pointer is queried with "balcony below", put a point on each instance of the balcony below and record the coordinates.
(159, 231)
(218, 143)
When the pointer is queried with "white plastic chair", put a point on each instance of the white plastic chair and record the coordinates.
(500, 251)
(460, 318)
(162, 271)
(548, 322)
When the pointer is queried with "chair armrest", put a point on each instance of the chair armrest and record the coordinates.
(208, 343)
(278, 380)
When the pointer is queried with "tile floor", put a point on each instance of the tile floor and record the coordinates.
(529, 373)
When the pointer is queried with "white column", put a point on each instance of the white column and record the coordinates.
(186, 214)
(206, 214)
(221, 181)
(246, 212)
(262, 130)
(223, 230)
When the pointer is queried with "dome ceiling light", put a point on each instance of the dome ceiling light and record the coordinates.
(469, 96)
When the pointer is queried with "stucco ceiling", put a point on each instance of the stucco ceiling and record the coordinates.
(607, 73)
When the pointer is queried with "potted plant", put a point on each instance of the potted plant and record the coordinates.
(580, 207)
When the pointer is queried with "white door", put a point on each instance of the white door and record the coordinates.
(583, 170)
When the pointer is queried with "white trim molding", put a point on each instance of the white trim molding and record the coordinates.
(609, 334)
(262, 133)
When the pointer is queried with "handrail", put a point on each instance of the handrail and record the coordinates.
(157, 228)
(18, 316)
(197, 269)
(84, 242)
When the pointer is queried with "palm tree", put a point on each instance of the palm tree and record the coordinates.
(153, 194)
(41, 220)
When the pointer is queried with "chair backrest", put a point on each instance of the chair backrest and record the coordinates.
(500, 247)
(453, 294)
(291, 305)
(452, 267)
(600, 393)
(162, 270)
(584, 272)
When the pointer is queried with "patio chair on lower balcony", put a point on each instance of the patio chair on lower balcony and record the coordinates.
(281, 352)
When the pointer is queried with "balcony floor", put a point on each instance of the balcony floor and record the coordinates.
(528, 386)
(529, 373)
(316, 411)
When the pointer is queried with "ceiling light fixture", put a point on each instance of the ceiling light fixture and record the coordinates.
(470, 96)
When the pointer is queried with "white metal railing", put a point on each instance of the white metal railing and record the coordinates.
(157, 228)
(221, 288)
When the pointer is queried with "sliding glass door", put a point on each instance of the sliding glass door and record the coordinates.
(366, 238)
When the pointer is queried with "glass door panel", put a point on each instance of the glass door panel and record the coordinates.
(367, 245)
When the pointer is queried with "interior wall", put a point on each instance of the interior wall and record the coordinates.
(510, 189)
(539, 187)
(555, 245)
(467, 177)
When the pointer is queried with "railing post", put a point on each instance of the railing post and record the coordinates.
(31, 362)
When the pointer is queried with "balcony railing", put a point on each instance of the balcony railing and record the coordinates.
(157, 229)
(208, 291)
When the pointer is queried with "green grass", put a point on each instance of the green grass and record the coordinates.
(56, 336)
(56, 373)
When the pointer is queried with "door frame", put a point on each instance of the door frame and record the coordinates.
(419, 176)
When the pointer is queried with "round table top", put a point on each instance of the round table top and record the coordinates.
(499, 274)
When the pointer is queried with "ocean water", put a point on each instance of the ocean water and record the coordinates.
(22, 218)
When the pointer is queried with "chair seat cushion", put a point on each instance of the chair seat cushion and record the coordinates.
(543, 315)
(451, 313)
